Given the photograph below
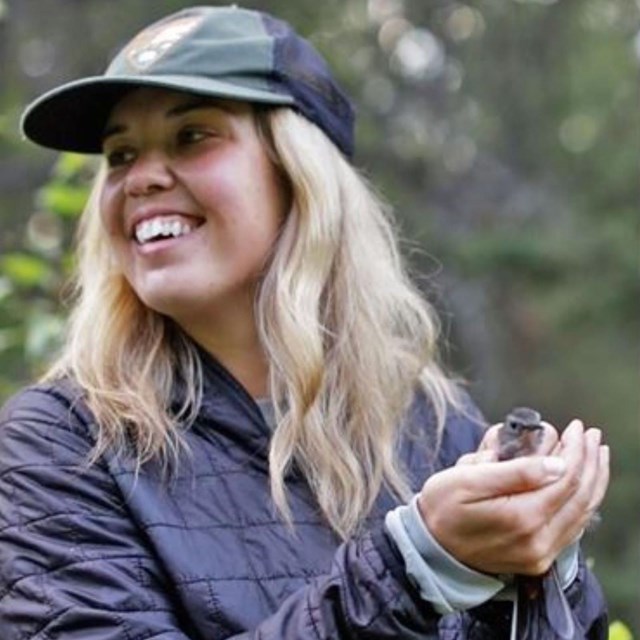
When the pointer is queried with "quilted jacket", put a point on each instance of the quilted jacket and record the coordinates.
(96, 553)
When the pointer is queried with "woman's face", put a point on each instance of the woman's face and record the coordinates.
(191, 203)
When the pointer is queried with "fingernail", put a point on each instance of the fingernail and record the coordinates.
(595, 436)
(573, 427)
(554, 466)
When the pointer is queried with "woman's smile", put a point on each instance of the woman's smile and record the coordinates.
(163, 226)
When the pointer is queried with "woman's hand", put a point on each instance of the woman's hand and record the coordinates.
(517, 515)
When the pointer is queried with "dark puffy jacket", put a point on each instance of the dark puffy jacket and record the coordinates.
(91, 552)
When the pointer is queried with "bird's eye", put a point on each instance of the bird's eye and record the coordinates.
(513, 424)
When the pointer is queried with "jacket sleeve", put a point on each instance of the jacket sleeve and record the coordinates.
(365, 596)
(71, 564)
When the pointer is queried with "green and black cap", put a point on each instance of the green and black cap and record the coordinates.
(226, 52)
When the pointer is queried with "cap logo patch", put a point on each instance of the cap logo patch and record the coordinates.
(153, 43)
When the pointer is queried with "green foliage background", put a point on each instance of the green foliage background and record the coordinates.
(504, 133)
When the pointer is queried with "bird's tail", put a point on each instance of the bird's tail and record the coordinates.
(558, 612)
(542, 610)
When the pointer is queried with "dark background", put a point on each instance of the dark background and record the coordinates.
(504, 133)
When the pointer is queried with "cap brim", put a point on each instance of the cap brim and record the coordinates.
(73, 117)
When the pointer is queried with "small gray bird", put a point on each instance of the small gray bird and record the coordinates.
(521, 433)
(540, 599)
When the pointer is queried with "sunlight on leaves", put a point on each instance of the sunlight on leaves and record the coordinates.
(64, 199)
(619, 631)
(25, 270)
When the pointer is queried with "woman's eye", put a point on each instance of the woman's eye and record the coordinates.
(192, 136)
(119, 157)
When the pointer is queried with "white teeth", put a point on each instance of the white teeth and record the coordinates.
(158, 227)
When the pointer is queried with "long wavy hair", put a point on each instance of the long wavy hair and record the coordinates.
(348, 337)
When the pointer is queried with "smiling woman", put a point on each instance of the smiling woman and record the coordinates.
(248, 433)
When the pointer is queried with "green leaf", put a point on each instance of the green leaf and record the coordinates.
(69, 165)
(64, 199)
(25, 270)
(619, 631)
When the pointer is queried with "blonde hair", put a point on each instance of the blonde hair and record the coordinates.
(348, 337)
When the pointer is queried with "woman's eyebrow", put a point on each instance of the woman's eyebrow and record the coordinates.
(198, 103)
(180, 109)
(112, 130)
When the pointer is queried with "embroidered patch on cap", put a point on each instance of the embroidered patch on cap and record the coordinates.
(153, 43)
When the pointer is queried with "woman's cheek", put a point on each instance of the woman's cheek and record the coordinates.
(109, 206)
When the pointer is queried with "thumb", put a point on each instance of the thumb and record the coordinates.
(517, 475)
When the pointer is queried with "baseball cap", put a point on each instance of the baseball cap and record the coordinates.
(225, 52)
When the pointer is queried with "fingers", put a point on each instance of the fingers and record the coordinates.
(498, 479)
(567, 506)
(602, 483)
(515, 516)
(565, 471)
(490, 439)
(550, 439)
(477, 514)
(596, 477)
(572, 452)
(593, 480)
(488, 455)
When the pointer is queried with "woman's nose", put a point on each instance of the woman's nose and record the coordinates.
(151, 172)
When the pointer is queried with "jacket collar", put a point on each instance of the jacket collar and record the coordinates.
(228, 410)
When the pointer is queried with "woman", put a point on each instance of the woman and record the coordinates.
(249, 394)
